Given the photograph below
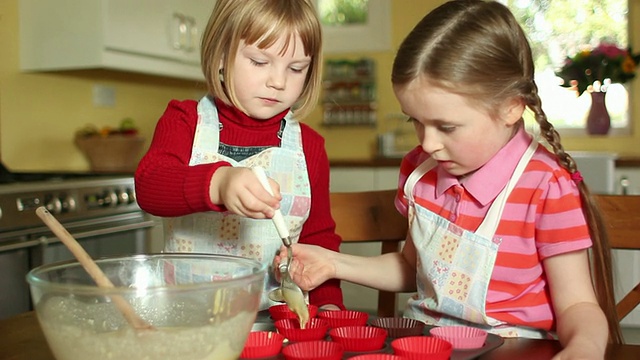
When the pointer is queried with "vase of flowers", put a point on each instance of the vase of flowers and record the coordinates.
(594, 70)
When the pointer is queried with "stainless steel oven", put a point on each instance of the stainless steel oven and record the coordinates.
(99, 211)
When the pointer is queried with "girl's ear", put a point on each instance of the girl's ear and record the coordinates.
(221, 71)
(512, 110)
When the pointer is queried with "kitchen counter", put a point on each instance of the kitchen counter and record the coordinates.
(622, 161)
(22, 338)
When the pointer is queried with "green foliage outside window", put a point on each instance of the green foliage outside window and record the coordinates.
(343, 12)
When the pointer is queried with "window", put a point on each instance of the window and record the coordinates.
(557, 28)
(355, 25)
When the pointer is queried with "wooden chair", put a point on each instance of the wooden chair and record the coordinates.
(622, 217)
(371, 216)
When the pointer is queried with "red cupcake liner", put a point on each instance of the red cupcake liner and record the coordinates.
(359, 338)
(399, 327)
(313, 350)
(316, 329)
(261, 344)
(422, 347)
(282, 311)
(461, 337)
(340, 318)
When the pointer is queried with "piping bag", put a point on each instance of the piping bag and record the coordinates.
(288, 291)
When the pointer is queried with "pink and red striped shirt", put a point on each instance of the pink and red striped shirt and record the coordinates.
(542, 217)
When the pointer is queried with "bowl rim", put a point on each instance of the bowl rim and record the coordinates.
(32, 277)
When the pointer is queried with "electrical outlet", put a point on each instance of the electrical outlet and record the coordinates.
(104, 96)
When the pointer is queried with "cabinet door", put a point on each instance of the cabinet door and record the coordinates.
(351, 179)
(169, 29)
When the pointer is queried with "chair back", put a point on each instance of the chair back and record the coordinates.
(371, 216)
(621, 215)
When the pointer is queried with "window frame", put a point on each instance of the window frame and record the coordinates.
(374, 36)
(614, 131)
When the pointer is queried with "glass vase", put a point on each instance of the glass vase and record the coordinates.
(598, 119)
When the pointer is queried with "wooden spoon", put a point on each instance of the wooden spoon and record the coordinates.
(90, 266)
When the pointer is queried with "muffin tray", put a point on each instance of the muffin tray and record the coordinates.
(493, 341)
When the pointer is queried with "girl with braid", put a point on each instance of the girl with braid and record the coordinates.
(500, 228)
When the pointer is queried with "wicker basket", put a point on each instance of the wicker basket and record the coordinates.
(113, 153)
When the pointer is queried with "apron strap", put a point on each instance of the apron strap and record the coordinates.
(415, 176)
(492, 219)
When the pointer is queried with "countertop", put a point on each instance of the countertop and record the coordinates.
(622, 161)
(22, 338)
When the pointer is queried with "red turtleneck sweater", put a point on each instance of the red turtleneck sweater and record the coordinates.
(167, 186)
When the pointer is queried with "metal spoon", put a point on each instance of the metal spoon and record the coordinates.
(289, 291)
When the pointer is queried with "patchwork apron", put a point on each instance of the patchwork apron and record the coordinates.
(454, 266)
(230, 234)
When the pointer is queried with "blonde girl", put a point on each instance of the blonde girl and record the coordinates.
(262, 65)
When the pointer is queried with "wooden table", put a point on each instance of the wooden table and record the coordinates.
(21, 339)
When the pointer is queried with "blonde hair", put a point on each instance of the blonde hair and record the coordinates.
(260, 22)
(478, 50)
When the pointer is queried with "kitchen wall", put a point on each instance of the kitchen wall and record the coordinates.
(39, 112)
(353, 143)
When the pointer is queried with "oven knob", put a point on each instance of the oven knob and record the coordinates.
(68, 204)
(132, 196)
(53, 204)
(123, 197)
(110, 198)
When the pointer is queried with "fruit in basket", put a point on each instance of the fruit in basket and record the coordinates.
(127, 126)
(111, 149)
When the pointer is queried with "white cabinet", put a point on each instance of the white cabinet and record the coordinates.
(346, 179)
(158, 37)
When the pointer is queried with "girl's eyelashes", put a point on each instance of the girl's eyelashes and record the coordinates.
(446, 128)
(441, 126)
(256, 62)
(295, 69)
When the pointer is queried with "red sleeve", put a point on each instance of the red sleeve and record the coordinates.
(165, 183)
(319, 228)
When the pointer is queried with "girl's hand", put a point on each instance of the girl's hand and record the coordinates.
(311, 265)
(240, 191)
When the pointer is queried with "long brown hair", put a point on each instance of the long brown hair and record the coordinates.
(477, 49)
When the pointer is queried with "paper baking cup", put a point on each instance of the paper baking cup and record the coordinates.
(313, 350)
(461, 337)
(399, 327)
(344, 318)
(422, 347)
(359, 338)
(261, 344)
(316, 329)
(282, 311)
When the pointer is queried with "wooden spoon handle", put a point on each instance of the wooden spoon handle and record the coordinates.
(91, 267)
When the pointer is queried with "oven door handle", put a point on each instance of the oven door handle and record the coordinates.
(106, 231)
(43, 240)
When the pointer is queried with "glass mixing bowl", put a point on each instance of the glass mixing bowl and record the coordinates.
(200, 306)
